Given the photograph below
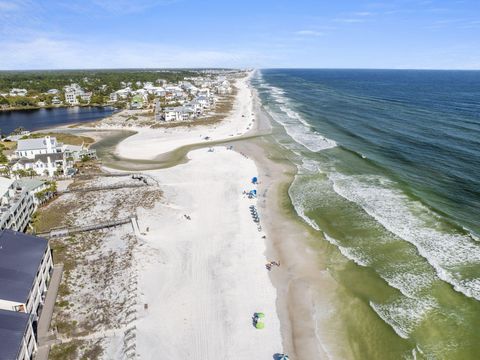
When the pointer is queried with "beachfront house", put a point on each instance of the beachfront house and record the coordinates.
(86, 96)
(203, 101)
(170, 114)
(179, 113)
(74, 92)
(18, 92)
(56, 101)
(17, 205)
(197, 107)
(71, 98)
(45, 164)
(18, 339)
(137, 102)
(28, 148)
(123, 93)
(46, 156)
(113, 97)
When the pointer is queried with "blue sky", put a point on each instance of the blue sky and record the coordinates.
(437, 34)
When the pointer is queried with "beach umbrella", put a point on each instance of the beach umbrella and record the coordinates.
(260, 325)
(254, 180)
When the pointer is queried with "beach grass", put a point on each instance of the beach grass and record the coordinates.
(65, 138)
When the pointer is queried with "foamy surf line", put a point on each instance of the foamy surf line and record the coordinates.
(389, 207)
(295, 125)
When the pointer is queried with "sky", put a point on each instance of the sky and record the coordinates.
(397, 34)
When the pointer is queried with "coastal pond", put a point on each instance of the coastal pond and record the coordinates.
(45, 118)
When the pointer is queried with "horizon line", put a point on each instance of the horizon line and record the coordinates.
(234, 68)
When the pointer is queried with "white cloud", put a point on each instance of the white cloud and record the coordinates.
(309, 33)
(363, 13)
(8, 5)
(349, 20)
(114, 7)
(48, 53)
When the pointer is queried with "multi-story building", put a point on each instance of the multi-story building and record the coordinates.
(16, 206)
(17, 336)
(71, 98)
(25, 268)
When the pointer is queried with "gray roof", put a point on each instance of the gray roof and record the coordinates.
(20, 258)
(34, 144)
(30, 184)
(52, 156)
(12, 328)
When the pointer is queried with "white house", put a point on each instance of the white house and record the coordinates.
(113, 97)
(56, 101)
(86, 96)
(205, 92)
(30, 147)
(203, 101)
(197, 107)
(170, 114)
(123, 93)
(72, 92)
(18, 92)
(53, 92)
(71, 98)
(180, 113)
(45, 164)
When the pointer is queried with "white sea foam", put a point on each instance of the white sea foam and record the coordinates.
(304, 198)
(295, 125)
(448, 253)
(350, 253)
(409, 284)
(405, 314)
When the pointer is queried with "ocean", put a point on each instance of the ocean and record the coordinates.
(44, 118)
(389, 174)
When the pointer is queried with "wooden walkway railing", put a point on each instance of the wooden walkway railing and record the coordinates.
(99, 188)
(56, 232)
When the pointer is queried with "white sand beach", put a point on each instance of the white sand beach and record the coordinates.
(200, 280)
(204, 278)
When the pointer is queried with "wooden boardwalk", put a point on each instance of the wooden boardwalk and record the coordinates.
(100, 188)
(57, 232)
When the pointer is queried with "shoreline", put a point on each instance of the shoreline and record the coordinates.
(290, 281)
(245, 258)
(302, 273)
